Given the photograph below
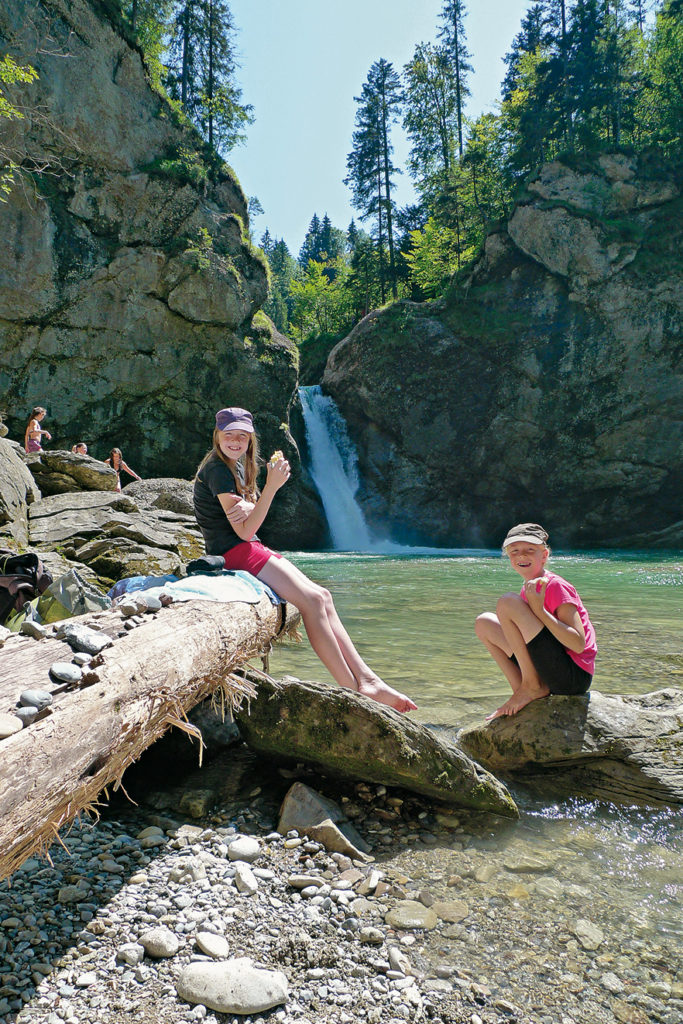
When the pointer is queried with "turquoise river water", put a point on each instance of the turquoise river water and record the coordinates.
(412, 616)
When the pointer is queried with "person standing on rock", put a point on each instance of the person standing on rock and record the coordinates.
(230, 509)
(116, 462)
(34, 432)
(542, 638)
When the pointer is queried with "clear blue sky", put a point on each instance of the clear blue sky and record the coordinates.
(302, 63)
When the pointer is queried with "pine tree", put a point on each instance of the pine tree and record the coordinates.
(202, 70)
(311, 247)
(453, 32)
(369, 165)
(430, 117)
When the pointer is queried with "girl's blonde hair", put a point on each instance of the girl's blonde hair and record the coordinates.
(251, 462)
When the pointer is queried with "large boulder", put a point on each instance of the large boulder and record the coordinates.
(57, 472)
(113, 535)
(545, 386)
(354, 737)
(17, 490)
(626, 749)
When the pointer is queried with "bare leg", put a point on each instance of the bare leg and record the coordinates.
(327, 635)
(518, 625)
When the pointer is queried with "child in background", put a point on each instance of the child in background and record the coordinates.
(541, 638)
(80, 448)
(34, 432)
(116, 462)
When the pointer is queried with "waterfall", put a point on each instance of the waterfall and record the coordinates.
(334, 468)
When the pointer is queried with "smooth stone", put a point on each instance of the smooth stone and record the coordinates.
(245, 849)
(66, 672)
(35, 699)
(549, 887)
(27, 715)
(451, 911)
(411, 914)
(612, 983)
(371, 936)
(213, 945)
(232, 986)
(9, 724)
(588, 934)
(304, 881)
(485, 873)
(159, 942)
(86, 979)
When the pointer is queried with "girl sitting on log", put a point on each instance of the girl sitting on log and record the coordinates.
(541, 638)
(230, 509)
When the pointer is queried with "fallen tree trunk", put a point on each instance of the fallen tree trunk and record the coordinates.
(352, 736)
(129, 695)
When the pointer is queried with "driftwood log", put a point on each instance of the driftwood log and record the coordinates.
(129, 696)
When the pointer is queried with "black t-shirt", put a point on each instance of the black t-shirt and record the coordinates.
(215, 478)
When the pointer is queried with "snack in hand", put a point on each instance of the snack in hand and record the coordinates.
(275, 457)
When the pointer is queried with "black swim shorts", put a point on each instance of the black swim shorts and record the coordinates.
(554, 666)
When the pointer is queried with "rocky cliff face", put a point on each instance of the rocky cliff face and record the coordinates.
(546, 388)
(128, 284)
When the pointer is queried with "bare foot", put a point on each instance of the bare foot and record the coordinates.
(374, 687)
(519, 699)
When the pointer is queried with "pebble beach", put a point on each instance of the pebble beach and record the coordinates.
(145, 916)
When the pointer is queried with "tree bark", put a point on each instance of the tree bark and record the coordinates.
(129, 696)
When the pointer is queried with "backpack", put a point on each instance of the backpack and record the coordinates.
(22, 578)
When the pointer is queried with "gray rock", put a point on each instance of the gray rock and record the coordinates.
(356, 737)
(411, 914)
(159, 942)
(451, 911)
(36, 698)
(245, 879)
(83, 639)
(244, 849)
(131, 953)
(17, 490)
(303, 806)
(588, 934)
(33, 629)
(27, 715)
(66, 672)
(58, 472)
(620, 748)
(232, 986)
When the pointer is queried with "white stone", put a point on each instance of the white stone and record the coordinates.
(131, 953)
(244, 848)
(213, 945)
(232, 986)
(244, 879)
(160, 942)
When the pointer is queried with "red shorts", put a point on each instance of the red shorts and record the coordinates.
(249, 555)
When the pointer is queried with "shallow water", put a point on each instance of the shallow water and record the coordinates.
(412, 619)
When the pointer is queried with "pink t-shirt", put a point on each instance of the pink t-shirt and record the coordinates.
(558, 592)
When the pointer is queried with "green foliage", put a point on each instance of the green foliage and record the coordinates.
(185, 165)
(434, 257)
(11, 74)
(199, 246)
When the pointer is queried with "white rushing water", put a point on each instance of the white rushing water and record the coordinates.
(334, 468)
